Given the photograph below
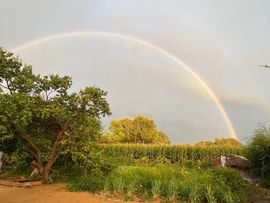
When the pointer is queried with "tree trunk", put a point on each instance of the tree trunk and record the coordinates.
(52, 158)
(85, 170)
(48, 167)
(39, 162)
(45, 177)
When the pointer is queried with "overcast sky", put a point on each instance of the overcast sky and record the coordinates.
(223, 41)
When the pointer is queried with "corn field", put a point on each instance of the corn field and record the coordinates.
(174, 153)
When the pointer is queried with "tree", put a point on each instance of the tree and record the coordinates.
(258, 154)
(138, 130)
(231, 142)
(227, 142)
(121, 130)
(41, 113)
(204, 144)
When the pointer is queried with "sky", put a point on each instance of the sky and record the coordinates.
(224, 42)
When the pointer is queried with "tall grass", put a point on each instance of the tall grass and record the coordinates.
(218, 185)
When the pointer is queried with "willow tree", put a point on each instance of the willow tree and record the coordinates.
(42, 114)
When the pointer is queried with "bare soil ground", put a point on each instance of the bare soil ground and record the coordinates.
(260, 195)
(55, 193)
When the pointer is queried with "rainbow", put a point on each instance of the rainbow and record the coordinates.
(144, 43)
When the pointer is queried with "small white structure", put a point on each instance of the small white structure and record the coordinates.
(223, 161)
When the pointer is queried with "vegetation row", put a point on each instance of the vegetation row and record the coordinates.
(174, 153)
(170, 183)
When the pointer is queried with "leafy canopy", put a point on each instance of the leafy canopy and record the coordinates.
(138, 130)
(230, 142)
(43, 114)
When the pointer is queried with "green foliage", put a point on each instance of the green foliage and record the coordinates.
(102, 159)
(172, 154)
(138, 130)
(230, 181)
(188, 185)
(91, 184)
(8, 144)
(258, 154)
(23, 166)
(65, 169)
(93, 160)
(42, 114)
(229, 142)
(17, 163)
(145, 161)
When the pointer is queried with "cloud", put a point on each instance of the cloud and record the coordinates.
(222, 42)
(246, 101)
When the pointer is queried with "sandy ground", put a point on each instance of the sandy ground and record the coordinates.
(55, 193)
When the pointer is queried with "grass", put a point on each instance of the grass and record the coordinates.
(170, 183)
(89, 183)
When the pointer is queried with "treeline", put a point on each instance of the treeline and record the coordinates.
(231, 142)
(143, 130)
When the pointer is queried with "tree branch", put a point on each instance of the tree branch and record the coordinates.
(4, 86)
(8, 87)
(32, 148)
(54, 153)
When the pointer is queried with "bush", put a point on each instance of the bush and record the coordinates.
(229, 185)
(90, 183)
(258, 154)
(18, 164)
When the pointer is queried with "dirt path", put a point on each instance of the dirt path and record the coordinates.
(260, 195)
(55, 193)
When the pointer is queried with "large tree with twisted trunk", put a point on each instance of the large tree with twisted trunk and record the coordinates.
(42, 114)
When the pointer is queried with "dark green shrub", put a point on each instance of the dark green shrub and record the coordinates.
(65, 173)
(91, 184)
(258, 154)
(21, 163)
(65, 169)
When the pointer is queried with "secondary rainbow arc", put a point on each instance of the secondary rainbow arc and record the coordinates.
(144, 43)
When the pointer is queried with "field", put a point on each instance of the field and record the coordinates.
(173, 173)
(137, 172)
(173, 153)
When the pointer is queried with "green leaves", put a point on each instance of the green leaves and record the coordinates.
(42, 112)
(258, 154)
(138, 130)
(53, 85)
(92, 101)
(14, 76)
(15, 109)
